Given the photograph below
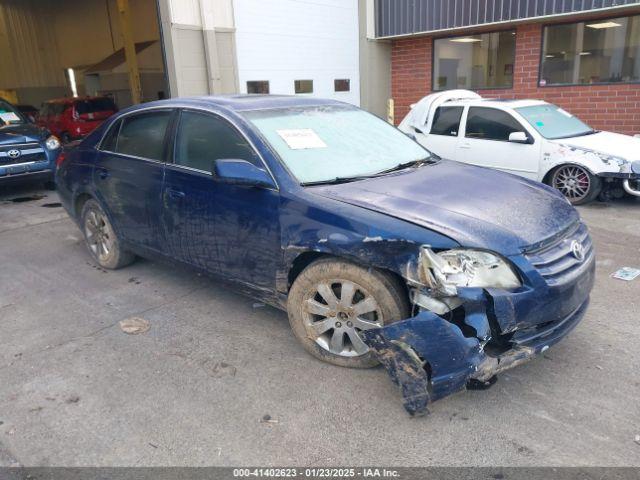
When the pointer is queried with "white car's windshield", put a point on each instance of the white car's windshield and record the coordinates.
(329, 143)
(9, 115)
(553, 122)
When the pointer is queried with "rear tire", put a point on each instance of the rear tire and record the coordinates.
(331, 300)
(576, 183)
(101, 239)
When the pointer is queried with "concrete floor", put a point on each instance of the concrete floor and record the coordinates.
(75, 390)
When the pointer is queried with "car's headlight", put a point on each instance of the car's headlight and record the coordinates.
(449, 269)
(52, 143)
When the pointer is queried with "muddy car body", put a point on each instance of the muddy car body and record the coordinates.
(445, 273)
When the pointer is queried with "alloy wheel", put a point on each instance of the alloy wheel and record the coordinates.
(573, 182)
(100, 236)
(335, 311)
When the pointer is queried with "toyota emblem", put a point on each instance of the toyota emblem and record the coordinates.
(577, 250)
(14, 153)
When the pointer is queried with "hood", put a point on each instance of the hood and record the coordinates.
(23, 133)
(608, 143)
(477, 207)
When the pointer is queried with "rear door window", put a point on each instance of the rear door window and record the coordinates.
(204, 138)
(491, 124)
(446, 121)
(143, 135)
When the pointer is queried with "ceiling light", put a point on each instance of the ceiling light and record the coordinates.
(465, 40)
(549, 56)
(603, 25)
(585, 53)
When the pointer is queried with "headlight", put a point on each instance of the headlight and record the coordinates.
(52, 143)
(444, 271)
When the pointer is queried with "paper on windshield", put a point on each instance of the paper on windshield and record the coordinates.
(301, 138)
(8, 117)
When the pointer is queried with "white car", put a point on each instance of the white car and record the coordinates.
(531, 138)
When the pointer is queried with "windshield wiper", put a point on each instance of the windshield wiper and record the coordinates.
(581, 134)
(412, 164)
(335, 181)
(402, 166)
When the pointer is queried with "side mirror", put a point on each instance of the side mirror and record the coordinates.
(242, 173)
(519, 137)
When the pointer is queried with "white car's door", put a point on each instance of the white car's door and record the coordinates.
(443, 132)
(484, 141)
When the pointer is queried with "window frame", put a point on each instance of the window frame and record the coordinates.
(473, 89)
(562, 85)
(531, 138)
(218, 116)
(121, 119)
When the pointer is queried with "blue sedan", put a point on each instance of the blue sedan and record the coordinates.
(379, 251)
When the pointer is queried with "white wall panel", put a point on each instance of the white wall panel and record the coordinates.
(286, 40)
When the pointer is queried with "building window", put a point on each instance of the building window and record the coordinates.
(342, 85)
(304, 86)
(474, 61)
(258, 86)
(595, 51)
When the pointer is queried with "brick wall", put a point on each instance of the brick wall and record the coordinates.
(604, 107)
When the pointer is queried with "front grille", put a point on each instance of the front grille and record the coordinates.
(29, 152)
(557, 262)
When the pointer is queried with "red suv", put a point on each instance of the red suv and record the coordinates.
(73, 118)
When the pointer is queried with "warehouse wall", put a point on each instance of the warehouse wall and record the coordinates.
(613, 107)
(286, 40)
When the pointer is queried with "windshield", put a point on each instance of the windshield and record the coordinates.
(323, 143)
(95, 105)
(9, 115)
(553, 122)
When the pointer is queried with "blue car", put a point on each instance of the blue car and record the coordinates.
(379, 251)
(26, 151)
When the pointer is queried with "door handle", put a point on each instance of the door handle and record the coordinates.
(103, 173)
(466, 146)
(175, 194)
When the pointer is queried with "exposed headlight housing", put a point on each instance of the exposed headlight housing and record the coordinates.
(52, 143)
(449, 269)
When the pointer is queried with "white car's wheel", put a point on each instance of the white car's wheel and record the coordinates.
(576, 183)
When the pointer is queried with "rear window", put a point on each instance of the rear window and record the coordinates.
(446, 121)
(95, 105)
(143, 135)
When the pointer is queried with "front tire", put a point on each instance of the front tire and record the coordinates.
(101, 239)
(331, 300)
(576, 183)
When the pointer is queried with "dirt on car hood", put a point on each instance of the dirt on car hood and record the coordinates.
(475, 206)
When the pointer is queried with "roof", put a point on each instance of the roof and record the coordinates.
(116, 59)
(487, 102)
(240, 103)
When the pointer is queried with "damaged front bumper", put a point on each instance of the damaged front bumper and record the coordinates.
(629, 176)
(429, 357)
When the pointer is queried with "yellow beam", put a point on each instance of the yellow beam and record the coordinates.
(124, 14)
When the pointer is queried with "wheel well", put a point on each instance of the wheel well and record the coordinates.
(79, 203)
(305, 259)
